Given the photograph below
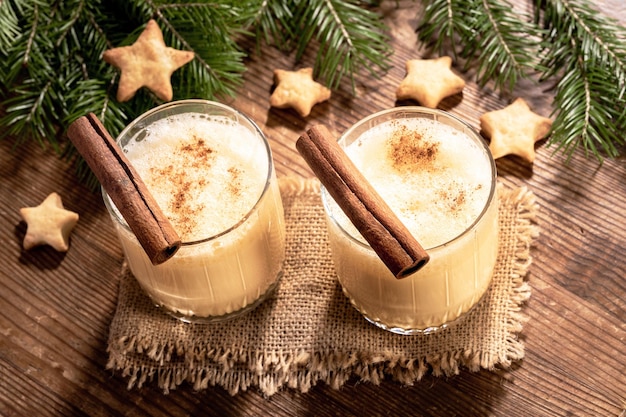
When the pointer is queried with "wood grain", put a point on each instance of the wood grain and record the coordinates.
(56, 308)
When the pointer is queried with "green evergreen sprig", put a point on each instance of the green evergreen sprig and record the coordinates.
(349, 37)
(567, 42)
(587, 53)
(52, 72)
(500, 42)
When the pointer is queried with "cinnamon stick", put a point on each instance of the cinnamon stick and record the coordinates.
(370, 214)
(126, 189)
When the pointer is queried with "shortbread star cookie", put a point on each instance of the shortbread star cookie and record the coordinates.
(147, 63)
(429, 81)
(48, 224)
(298, 90)
(514, 130)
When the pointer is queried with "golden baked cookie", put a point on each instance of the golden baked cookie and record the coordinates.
(298, 90)
(514, 130)
(147, 63)
(48, 224)
(429, 81)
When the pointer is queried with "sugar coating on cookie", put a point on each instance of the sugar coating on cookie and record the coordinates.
(48, 224)
(298, 90)
(147, 63)
(514, 130)
(429, 81)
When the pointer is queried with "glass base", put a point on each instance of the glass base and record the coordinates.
(426, 330)
(186, 318)
(409, 332)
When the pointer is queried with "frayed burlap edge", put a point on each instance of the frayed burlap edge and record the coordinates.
(240, 369)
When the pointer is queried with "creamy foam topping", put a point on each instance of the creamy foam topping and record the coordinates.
(433, 176)
(206, 173)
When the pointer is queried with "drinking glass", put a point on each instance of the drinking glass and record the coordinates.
(217, 274)
(460, 267)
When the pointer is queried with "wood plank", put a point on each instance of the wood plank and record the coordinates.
(56, 308)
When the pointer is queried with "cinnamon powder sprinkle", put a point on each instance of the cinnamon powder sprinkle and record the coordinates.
(234, 186)
(191, 156)
(453, 198)
(409, 150)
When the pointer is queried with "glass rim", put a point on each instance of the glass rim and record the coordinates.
(114, 212)
(435, 113)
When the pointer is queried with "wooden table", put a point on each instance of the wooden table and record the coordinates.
(56, 308)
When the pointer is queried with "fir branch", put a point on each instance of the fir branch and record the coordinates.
(490, 35)
(579, 48)
(350, 38)
(35, 102)
(52, 72)
(443, 22)
(587, 51)
(75, 36)
(273, 23)
(508, 44)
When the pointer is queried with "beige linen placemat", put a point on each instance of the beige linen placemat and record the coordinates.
(308, 332)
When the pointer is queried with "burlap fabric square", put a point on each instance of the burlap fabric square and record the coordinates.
(308, 332)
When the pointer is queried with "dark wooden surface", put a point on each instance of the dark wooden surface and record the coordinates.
(55, 309)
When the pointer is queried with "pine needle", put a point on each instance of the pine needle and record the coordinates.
(587, 52)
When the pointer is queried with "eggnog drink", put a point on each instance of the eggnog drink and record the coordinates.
(438, 177)
(210, 170)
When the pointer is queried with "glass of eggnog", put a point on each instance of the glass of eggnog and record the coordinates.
(438, 176)
(210, 169)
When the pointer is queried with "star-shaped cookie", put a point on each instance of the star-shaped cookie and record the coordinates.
(298, 90)
(147, 63)
(48, 224)
(429, 81)
(514, 130)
